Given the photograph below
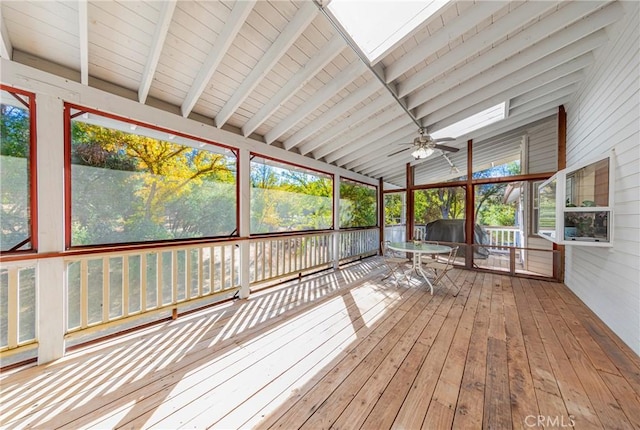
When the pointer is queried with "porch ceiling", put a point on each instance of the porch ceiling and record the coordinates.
(279, 73)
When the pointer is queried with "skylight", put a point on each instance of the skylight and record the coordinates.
(377, 25)
(472, 123)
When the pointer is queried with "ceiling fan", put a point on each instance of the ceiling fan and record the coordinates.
(424, 145)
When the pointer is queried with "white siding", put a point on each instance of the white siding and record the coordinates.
(539, 262)
(542, 153)
(542, 156)
(604, 115)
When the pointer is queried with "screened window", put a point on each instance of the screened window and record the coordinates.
(439, 203)
(358, 204)
(16, 171)
(131, 183)
(395, 208)
(289, 198)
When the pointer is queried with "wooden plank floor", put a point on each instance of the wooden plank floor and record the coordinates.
(346, 350)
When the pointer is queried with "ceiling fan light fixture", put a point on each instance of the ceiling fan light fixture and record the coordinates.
(421, 152)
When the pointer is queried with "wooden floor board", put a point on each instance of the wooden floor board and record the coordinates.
(571, 388)
(523, 398)
(344, 349)
(470, 406)
(415, 406)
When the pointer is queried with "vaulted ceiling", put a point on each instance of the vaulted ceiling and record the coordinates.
(280, 72)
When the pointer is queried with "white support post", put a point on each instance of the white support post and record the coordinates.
(50, 271)
(244, 179)
(336, 221)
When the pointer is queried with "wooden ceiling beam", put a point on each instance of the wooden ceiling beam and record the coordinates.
(83, 35)
(316, 63)
(520, 51)
(378, 104)
(484, 39)
(505, 75)
(233, 24)
(159, 36)
(372, 142)
(550, 100)
(373, 157)
(470, 18)
(527, 80)
(336, 111)
(390, 113)
(301, 20)
(548, 88)
(335, 85)
(6, 48)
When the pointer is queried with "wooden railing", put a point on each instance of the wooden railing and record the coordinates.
(502, 236)
(108, 291)
(395, 233)
(358, 243)
(277, 257)
(114, 285)
(18, 304)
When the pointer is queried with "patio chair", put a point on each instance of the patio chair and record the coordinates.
(440, 268)
(394, 263)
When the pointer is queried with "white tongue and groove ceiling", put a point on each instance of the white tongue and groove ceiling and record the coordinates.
(279, 71)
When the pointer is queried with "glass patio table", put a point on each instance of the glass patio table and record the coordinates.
(417, 249)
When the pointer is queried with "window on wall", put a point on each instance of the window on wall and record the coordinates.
(17, 174)
(358, 204)
(510, 168)
(131, 183)
(289, 198)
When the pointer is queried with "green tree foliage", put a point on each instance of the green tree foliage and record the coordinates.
(439, 203)
(15, 176)
(284, 199)
(394, 208)
(490, 209)
(128, 188)
(358, 207)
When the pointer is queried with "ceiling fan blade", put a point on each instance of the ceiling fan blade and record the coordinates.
(398, 152)
(445, 139)
(446, 148)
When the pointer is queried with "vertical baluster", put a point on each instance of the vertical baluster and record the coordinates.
(276, 258)
(159, 279)
(174, 276)
(125, 285)
(234, 277)
(256, 276)
(12, 309)
(223, 267)
(200, 271)
(263, 260)
(212, 268)
(143, 282)
(189, 278)
(286, 255)
(272, 244)
(84, 293)
(105, 289)
(314, 254)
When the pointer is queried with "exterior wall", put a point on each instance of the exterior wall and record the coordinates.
(541, 156)
(542, 153)
(605, 115)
